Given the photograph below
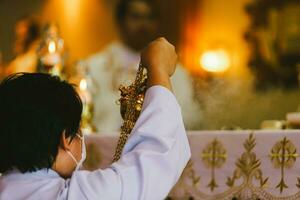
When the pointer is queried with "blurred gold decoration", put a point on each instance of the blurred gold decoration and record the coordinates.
(87, 118)
(274, 125)
(85, 91)
(51, 51)
(293, 120)
(283, 155)
(214, 156)
(131, 102)
(88, 108)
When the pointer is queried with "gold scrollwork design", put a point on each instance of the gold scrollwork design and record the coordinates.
(248, 165)
(248, 169)
(191, 174)
(189, 179)
(213, 157)
(283, 156)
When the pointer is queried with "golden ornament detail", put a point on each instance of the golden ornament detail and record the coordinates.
(131, 102)
(283, 156)
(214, 156)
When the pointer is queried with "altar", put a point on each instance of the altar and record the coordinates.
(227, 164)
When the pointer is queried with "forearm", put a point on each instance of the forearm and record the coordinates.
(158, 78)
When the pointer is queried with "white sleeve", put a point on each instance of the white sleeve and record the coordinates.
(157, 151)
(153, 158)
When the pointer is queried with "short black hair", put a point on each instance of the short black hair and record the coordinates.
(35, 110)
(123, 5)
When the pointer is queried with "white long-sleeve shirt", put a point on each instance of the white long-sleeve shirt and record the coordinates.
(152, 162)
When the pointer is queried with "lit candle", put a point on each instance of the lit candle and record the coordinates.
(84, 93)
(53, 57)
(83, 84)
(52, 47)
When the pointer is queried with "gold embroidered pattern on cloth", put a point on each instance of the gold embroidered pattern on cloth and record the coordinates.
(248, 172)
(213, 157)
(283, 155)
(248, 166)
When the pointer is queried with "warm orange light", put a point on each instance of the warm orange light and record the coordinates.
(215, 61)
(83, 85)
(52, 47)
(72, 9)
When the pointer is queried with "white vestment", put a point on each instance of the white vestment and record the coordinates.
(117, 65)
(152, 162)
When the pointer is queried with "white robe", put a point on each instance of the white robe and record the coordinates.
(152, 162)
(116, 65)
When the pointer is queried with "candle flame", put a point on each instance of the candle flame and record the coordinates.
(52, 47)
(83, 85)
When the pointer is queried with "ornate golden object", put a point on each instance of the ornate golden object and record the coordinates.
(283, 155)
(214, 156)
(131, 101)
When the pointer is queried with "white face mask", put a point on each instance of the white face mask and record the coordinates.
(83, 153)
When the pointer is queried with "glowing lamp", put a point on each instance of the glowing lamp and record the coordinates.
(215, 61)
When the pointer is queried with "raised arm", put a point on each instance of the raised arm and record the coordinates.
(157, 150)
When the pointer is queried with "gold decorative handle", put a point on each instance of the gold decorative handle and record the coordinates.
(131, 102)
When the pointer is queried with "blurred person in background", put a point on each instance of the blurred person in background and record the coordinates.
(117, 64)
(27, 34)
